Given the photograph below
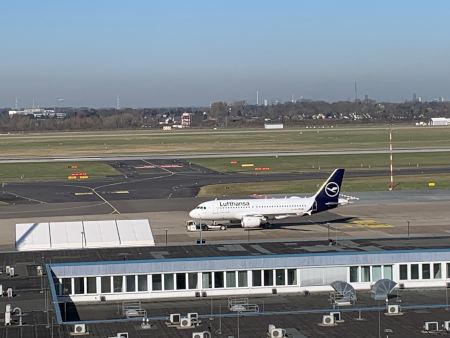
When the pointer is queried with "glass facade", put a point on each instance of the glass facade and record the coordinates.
(91, 283)
(193, 280)
(78, 285)
(414, 271)
(118, 283)
(207, 280)
(256, 276)
(181, 281)
(242, 279)
(168, 281)
(268, 277)
(142, 283)
(304, 277)
(280, 277)
(365, 274)
(231, 279)
(105, 284)
(157, 282)
(437, 270)
(354, 274)
(403, 272)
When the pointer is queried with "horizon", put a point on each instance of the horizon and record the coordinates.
(177, 54)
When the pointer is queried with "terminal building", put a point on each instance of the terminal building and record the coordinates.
(249, 269)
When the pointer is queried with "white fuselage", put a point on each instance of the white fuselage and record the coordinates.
(269, 208)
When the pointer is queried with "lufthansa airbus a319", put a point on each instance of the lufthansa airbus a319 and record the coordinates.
(253, 213)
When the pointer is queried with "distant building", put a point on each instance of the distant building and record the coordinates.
(186, 119)
(36, 113)
(273, 126)
(439, 121)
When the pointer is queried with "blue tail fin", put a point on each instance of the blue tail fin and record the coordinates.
(328, 195)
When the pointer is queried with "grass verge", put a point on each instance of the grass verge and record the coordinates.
(413, 182)
(54, 171)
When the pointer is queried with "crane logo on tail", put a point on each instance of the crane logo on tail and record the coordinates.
(332, 189)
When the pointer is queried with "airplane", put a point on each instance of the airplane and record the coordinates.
(253, 213)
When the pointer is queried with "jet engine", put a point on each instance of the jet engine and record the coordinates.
(251, 222)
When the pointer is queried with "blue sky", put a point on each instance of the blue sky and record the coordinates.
(178, 52)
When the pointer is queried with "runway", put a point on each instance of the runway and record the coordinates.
(187, 156)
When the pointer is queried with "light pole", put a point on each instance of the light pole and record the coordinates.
(166, 234)
(408, 228)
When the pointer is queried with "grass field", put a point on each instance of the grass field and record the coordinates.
(206, 141)
(308, 186)
(324, 162)
(17, 172)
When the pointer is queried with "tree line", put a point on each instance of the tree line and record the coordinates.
(235, 115)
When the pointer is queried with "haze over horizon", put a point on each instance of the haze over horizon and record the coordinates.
(190, 53)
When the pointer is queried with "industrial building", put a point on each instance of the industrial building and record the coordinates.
(250, 269)
(37, 113)
(439, 121)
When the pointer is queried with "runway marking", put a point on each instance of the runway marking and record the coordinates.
(121, 192)
(25, 198)
(370, 223)
(83, 193)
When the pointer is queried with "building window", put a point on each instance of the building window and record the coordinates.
(354, 274)
(242, 279)
(387, 272)
(403, 272)
(256, 275)
(193, 280)
(168, 281)
(207, 280)
(376, 273)
(365, 274)
(414, 271)
(105, 282)
(218, 279)
(91, 284)
(181, 281)
(131, 283)
(292, 276)
(448, 270)
(79, 285)
(231, 279)
(426, 271)
(157, 282)
(280, 278)
(66, 286)
(437, 270)
(142, 283)
(268, 277)
(118, 283)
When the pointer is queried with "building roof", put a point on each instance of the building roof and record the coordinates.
(78, 234)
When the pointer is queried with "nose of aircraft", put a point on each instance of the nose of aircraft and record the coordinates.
(192, 214)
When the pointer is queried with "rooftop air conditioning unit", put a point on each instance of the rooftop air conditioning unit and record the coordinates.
(337, 316)
(175, 318)
(79, 328)
(446, 325)
(185, 322)
(193, 316)
(431, 326)
(278, 333)
(393, 309)
(328, 320)
(204, 334)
